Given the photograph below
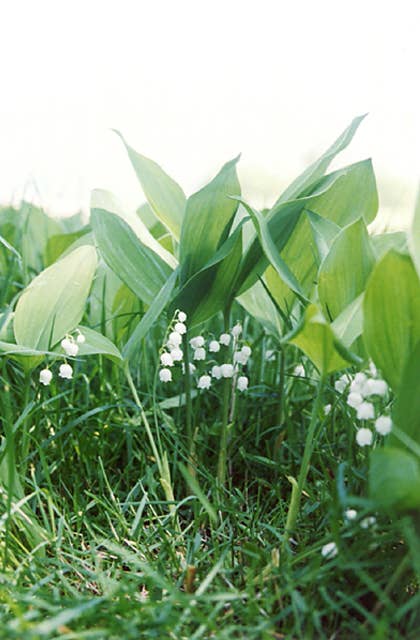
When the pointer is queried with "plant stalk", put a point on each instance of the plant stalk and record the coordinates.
(297, 487)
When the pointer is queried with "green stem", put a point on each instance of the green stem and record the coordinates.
(221, 465)
(25, 434)
(161, 461)
(297, 487)
(281, 371)
(10, 466)
(188, 407)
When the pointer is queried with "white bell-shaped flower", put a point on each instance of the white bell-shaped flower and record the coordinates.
(214, 346)
(45, 376)
(383, 425)
(166, 359)
(65, 371)
(204, 382)
(165, 375)
(364, 437)
(242, 383)
(197, 342)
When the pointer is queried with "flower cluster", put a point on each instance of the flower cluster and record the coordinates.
(366, 394)
(70, 345)
(227, 346)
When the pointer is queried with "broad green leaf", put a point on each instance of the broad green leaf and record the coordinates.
(318, 168)
(142, 270)
(10, 348)
(271, 252)
(414, 235)
(208, 217)
(212, 289)
(348, 326)
(394, 479)
(113, 307)
(316, 339)
(27, 358)
(406, 410)
(37, 227)
(383, 242)
(152, 314)
(105, 200)
(96, 343)
(259, 305)
(344, 271)
(333, 198)
(6, 326)
(392, 315)
(324, 231)
(164, 195)
(57, 245)
(54, 302)
(355, 196)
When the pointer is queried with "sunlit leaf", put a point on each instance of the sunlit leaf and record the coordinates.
(142, 270)
(317, 169)
(344, 271)
(54, 302)
(392, 314)
(394, 479)
(164, 195)
(208, 217)
(315, 337)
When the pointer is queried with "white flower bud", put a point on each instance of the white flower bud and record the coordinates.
(342, 383)
(327, 409)
(246, 350)
(65, 371)
(242, 383)
(237, 330)
(176, 355)
(329, 550)
(192, 367)
(45, 376)
(166, 359)
(227, 370)
(365, 411)
(364, 437)
(180, 328)
(165, 375)
(182, 316)
(199, 354)
(240, 357)
(383, 425)
(299, 371)
(224, 339)
(81, 339)
(204, 382)
(216, 372)
(354, 399)
(270, 355)
(350, 514)
(367, 522)
(197, 342)
(375, 387)
(66, 343)
(214, 346)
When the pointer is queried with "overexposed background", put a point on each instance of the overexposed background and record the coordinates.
(191, 83)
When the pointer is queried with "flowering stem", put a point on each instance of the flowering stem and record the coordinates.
(188, 406)
(160, 460)
(297, 488)
(221, 465)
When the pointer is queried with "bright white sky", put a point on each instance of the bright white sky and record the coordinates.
(191, 83)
